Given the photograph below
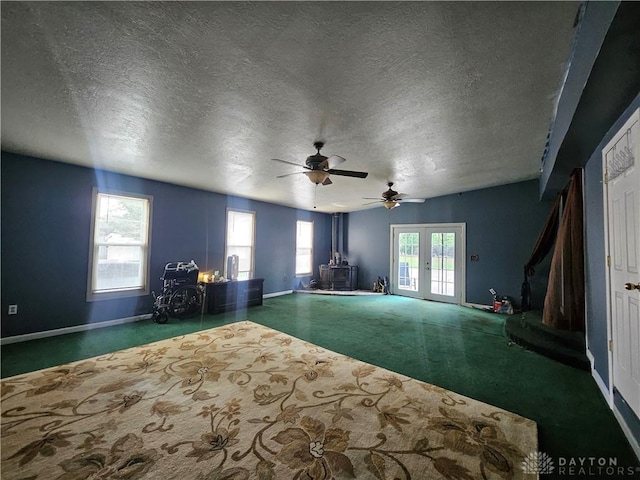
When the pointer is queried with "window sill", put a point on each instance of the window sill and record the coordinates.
(97, 296)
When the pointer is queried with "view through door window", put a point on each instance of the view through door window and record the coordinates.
(443, 248)
(408, 261)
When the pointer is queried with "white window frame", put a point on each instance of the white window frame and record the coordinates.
(309, 270)
(252, 246)
(144, 289)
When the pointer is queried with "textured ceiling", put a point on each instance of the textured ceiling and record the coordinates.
(439, 97)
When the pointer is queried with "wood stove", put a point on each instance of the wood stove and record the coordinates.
(338, 277)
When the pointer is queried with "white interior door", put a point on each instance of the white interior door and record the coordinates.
(620, 158)
(427, 261)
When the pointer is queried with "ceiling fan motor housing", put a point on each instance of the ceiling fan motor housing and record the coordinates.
(389, 194)
(314, 160)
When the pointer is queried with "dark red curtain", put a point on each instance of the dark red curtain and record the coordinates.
(564, 302)
(544, 244)
(545, 240)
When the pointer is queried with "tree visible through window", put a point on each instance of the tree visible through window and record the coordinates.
(120, 244)
(240, 241)
(304, 248)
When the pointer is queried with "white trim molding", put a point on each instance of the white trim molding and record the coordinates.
(93, 326)
(277, 294)
(74, 329)
(604, 388)
(627, 432)
(461, 255)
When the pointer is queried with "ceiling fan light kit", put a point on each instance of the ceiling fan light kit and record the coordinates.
(317, 176)
(392, 199)
(319, 168)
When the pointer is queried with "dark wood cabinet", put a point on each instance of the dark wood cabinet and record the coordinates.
(338, 277)
(227, 296)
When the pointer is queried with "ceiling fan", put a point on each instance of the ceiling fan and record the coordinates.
(392, 199)
(318, 167)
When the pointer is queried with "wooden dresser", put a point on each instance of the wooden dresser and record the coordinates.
(227, 296)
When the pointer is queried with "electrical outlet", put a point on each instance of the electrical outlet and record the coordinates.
(13, 309)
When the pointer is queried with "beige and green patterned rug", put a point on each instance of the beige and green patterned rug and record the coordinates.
(244, 401)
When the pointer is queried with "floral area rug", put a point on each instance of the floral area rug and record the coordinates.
(247, 402)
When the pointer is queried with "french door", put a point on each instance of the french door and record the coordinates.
(427, 261)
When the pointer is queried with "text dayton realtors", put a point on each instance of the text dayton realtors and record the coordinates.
(600, 466)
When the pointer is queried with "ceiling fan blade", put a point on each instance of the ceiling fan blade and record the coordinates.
(327, 181)
(332, 161)
(411, 200)
(373, 198)
(371, 203)
(348, 173)
(289, 174)
(288, 163)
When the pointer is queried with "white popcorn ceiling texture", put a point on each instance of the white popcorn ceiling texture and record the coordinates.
(439, 97)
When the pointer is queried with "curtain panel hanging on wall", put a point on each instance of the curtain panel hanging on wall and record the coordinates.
(564, 302)
(544, 244)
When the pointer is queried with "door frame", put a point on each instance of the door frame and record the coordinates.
(607, 390)
(463, 251)
(607, 283)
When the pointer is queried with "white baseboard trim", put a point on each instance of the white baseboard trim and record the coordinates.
(277, 294)
(607, 394)
(74, 329)
(591, 358)
(627, 432)
(604, 389)
(92, 326)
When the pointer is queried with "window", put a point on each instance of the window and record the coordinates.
(304, 248)
(120, 245)
(240, 240)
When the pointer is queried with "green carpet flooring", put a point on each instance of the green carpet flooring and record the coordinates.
(458, 348)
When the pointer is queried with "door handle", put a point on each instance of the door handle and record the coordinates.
(631, 286)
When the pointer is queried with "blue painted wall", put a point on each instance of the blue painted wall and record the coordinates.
(600, 92)
(558, 164)
(595, 267)
(502, 224)
(595, 289)
(46, 222)
(627, 413)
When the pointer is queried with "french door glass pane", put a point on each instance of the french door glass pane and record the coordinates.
(443, 248)
(409, 261)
